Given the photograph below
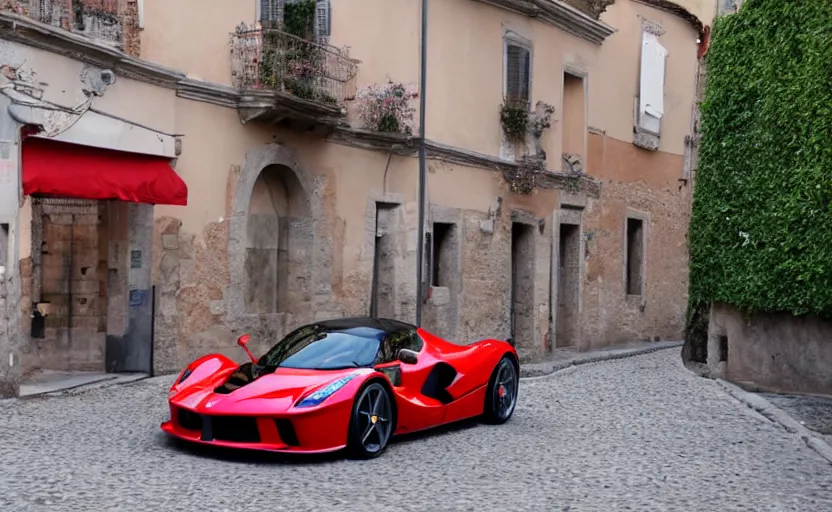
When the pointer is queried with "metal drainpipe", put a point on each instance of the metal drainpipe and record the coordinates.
(422, 164)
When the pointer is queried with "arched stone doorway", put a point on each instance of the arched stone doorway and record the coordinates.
(279, 234)
(277, 217)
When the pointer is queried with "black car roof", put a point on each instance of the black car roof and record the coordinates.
(382, 324)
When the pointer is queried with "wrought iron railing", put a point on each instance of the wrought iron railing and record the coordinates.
(275, 60)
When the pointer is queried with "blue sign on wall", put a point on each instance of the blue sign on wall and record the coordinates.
(138, 298)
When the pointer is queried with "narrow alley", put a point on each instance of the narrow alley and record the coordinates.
(641, 433)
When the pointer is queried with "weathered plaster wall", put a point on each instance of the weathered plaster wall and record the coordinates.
(199, 251)
(11, 339)
(207, 32)
(645, 185)
(465, 51)
(702, 9)
(774, 351)
(473, 67)
(614, 80)
(465, 78)
(396, 22)
(63, 81)
(68, 83)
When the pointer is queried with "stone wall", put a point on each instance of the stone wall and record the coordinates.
(203, 280)
(776, 352)
(206, 291)
(206, 288)
(10, 340)
(642, 185)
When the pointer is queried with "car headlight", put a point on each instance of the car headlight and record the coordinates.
(325, 392)
(185, 375)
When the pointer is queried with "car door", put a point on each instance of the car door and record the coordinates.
(415, 410)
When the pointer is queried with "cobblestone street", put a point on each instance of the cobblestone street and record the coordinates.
(632, 434)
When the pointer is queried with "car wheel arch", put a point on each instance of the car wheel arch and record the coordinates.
(513, 357)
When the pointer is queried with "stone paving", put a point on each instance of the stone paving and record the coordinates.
(631, 434)
(815, 412)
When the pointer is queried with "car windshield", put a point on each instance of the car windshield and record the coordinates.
(316, 348)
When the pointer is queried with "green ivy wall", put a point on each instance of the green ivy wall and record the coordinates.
(761, 228)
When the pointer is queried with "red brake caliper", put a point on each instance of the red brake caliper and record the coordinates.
(501, 391)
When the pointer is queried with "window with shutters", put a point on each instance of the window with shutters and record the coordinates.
(516, 68)
(651, 84)
(323, 20)
(269, 11)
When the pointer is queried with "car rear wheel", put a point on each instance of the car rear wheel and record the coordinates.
(501, 395)
(371, 425)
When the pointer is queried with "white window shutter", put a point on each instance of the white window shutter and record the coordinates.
(323, 19)
(651, 93)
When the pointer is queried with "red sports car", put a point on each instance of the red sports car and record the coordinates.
(348, 383)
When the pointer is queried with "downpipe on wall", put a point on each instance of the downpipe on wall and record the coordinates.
(420, 256)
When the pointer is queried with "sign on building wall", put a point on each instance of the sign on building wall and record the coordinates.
(138, 298)
(135, 259)
(8, 165)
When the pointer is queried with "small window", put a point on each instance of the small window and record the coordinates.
(442, 259)
(723, 349)
(323, 19)
(635, 256)
(517, 72)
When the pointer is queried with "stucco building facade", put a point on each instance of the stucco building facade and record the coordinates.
(560, 139)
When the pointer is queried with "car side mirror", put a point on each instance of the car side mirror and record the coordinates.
(243, 341)
(408, 356)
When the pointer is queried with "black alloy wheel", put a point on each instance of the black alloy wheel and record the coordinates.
(371, 425)
(501, 395)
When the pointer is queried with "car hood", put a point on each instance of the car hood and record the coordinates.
(268, 394)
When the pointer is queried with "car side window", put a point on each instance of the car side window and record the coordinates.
(390, 346)
(414, 342)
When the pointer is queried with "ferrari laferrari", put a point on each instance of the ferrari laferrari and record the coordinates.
(346, 384)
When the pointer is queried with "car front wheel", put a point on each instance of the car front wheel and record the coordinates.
(371, 424)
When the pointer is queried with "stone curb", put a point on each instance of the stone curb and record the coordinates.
(82, 389)
(774, 413)
(558, 366)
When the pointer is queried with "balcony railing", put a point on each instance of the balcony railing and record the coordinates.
(271, 59)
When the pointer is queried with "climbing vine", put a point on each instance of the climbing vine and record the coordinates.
(514, 118)
(761, 228)
(291, 57)
(388, 108)
(522, 179)
(299, 18)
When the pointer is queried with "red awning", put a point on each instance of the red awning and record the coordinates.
(53, 168)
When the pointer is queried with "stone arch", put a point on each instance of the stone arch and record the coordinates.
(278, 242)
(274, 251)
